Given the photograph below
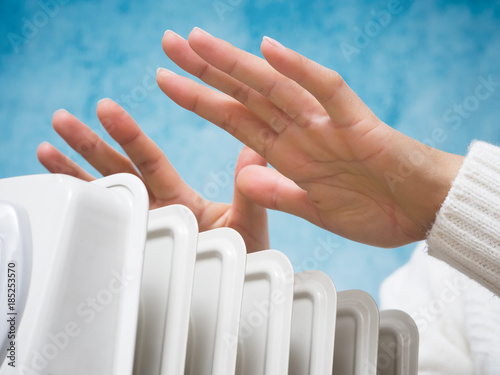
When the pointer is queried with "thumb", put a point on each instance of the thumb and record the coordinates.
(268, 188)
(248, 218)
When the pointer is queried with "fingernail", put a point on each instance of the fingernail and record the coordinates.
(165, 72)
(201, 30)
(173, 33)
(62, 110)
(102, 100)
(274, 43)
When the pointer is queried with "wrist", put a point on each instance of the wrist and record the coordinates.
(431, 173)
(443, 172)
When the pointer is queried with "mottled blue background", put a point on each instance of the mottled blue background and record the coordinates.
(425, 60)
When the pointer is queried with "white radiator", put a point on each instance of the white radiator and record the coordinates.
(118, 290)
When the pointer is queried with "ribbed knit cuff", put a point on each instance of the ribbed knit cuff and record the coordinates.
(466, 233)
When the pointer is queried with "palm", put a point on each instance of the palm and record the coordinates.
(343, 195)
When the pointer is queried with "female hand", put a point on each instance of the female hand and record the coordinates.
(163, 183)
(336, 164)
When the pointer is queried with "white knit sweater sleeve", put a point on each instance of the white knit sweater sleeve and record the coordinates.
(466, 233)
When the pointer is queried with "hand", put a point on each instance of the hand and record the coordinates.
(336, 164)
(163, 183)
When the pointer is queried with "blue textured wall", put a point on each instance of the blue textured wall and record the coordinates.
(415, 71)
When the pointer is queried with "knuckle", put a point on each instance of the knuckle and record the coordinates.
(202, 73)
(268, 90)
(334, 83)
(63, 167)
(303, 73)
(108, 125)
(193, 106)
(87, 146)
(148, 166)
(335, 79)
(241, 93)
(228, 122)
(263, 142)
(232, 67)
(305, 121)
(278, 121)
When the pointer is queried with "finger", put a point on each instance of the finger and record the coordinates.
(248, 157)
(160, 176)
(268, 188)
(248, 218)
(219, 109)
(327, 86)
(56, 162)
(87, 143)
(179, 51)
(255, 72)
